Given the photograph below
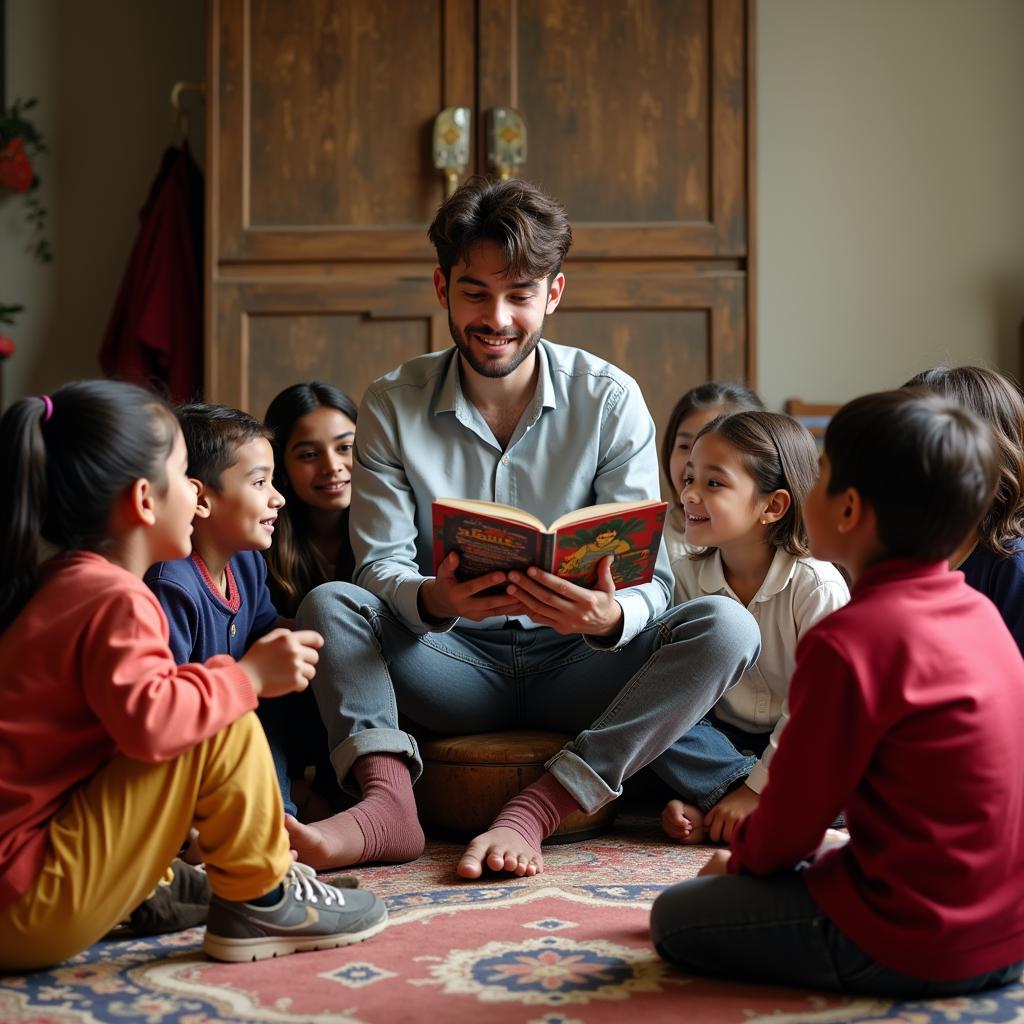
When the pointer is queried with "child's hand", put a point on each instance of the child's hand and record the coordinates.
(716, 865)
(722, 819)
(283, 661)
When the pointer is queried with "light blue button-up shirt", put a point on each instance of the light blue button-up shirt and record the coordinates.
(585, 438)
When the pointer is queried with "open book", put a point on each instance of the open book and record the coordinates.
(490, 537)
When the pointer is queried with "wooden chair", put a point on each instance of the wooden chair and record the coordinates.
(814, 416)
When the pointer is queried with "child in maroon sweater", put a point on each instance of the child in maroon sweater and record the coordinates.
(906, 708)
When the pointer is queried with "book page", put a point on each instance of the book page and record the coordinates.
(608, 509)
(493, 510)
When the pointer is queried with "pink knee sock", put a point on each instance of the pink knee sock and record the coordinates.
(387, 813)
(538, 810)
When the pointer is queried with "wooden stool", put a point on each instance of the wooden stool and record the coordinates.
(468, 779)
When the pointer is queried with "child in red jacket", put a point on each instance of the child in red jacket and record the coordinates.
(906, 708)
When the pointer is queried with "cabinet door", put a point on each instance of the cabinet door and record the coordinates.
(322, 113)
(636, 117)
(322, 185)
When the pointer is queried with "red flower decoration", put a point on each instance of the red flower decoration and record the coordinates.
(6, 346)
(15, 168)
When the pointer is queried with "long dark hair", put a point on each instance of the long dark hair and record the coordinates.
(64, 461)
(779, 454)
(292, 564)
(997, 400)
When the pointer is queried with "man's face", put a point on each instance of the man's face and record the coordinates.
(605, 538)
(495, 321)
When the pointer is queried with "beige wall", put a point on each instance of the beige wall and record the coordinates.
(890, 181)
(890, 191)
(102, 72)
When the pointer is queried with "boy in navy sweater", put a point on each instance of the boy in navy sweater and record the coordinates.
(905, 712)
(217, 600)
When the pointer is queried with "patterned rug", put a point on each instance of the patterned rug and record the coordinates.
(568, 947)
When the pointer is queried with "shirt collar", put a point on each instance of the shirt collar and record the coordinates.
(711, 578)
(451, 398)
(892, 570)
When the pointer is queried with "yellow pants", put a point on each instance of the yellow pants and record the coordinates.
(112, 841)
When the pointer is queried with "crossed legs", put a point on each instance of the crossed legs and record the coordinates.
(631, 705)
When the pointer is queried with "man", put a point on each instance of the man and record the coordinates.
(508, 417)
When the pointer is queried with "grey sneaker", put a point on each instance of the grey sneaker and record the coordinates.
(310, 915)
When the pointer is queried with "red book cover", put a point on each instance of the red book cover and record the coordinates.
(490, 537)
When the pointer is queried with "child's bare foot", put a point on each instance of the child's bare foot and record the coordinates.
(684, 822)
(500, 849)
(332, 843)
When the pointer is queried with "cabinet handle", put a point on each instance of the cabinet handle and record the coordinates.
(506, 141)
(451, 145)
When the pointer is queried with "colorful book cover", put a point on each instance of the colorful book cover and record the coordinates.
(490, 537)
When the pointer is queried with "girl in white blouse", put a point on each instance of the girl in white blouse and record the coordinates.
(744, 486)
(699, 406)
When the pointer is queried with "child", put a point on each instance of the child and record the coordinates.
(314, 429)
(109, 751)
(992, 557)
(745, 484)
(216, 600)
(905, 712)
(699, 406)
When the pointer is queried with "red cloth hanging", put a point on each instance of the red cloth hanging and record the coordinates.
(155, 333)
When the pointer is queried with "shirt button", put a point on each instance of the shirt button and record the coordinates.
(234, 629)
(504, 460)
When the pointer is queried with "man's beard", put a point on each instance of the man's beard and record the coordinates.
(490, 368)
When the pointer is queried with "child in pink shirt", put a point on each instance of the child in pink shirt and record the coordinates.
(109, 751)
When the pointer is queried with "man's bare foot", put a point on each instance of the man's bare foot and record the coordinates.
(332, 843)
(684, 822)
(500, 849)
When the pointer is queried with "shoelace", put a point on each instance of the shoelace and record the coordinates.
(309, 888)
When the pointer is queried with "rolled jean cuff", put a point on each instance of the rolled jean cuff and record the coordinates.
(374, 741)
(578, 779)
(705, 803)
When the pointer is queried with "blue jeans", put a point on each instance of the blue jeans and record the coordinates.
(296, 737)
(710, 752)
(770, 930)
(625, 708)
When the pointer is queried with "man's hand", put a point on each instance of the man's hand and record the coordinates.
(567, 608)
(721, 821)
(716, 865)
(444, 597)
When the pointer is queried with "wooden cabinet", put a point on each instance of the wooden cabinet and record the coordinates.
(639, 119)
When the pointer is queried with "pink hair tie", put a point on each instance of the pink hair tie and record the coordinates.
(47, 407)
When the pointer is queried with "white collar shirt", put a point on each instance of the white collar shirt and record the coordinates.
(796, 593)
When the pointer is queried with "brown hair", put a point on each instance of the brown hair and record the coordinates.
(709, 395)
(529, 227)
(925, 464)
(779, 454)
(213, 435)
(997, 400)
